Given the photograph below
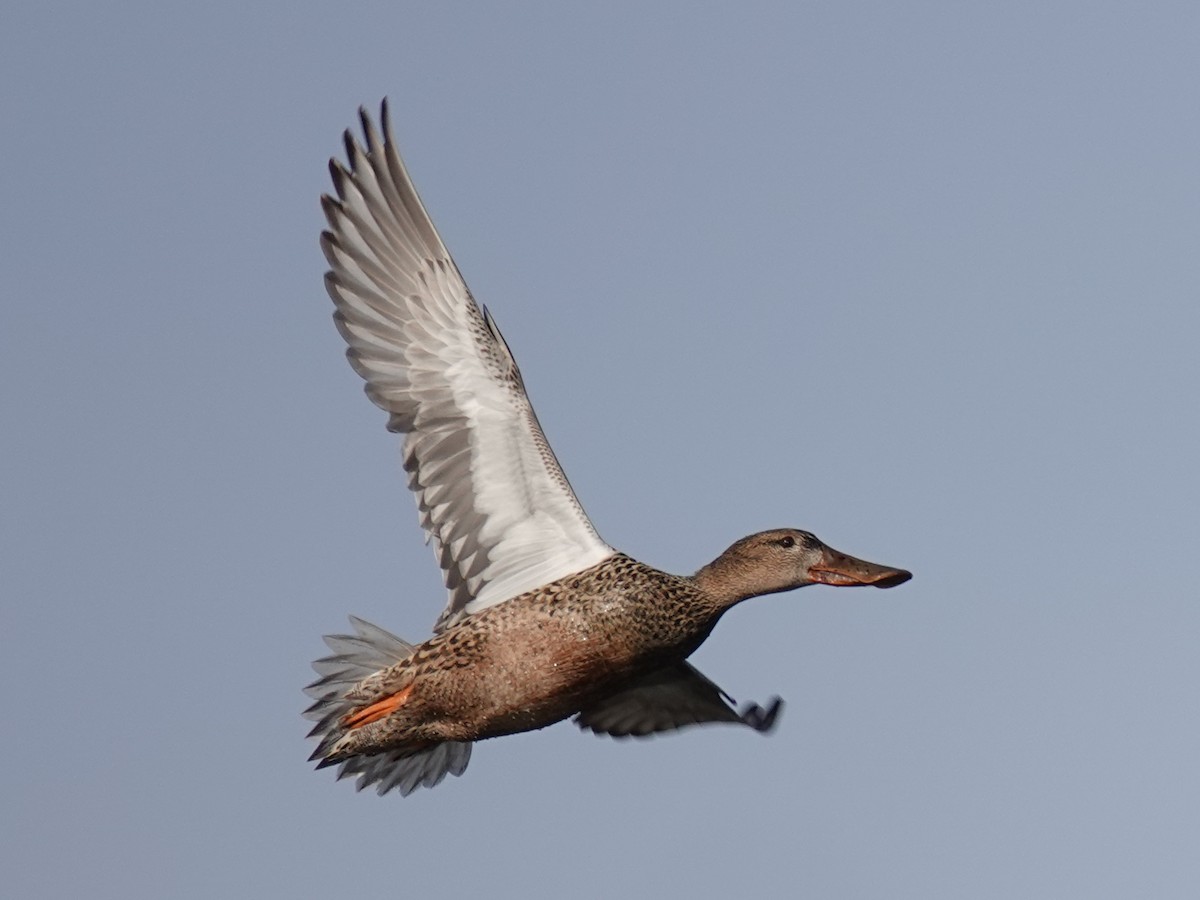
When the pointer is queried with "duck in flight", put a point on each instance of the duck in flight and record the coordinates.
(545, 620)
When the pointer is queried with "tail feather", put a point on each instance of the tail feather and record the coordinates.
(426, 768)
(354, 658)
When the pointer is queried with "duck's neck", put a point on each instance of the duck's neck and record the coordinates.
(726, 581)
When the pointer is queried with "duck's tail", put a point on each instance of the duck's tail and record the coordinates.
(355, 657)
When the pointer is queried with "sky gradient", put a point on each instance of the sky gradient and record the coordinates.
(920, 278)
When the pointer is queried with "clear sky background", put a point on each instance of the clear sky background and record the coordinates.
(921, 278)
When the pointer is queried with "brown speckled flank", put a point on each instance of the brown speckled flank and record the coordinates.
(544, 620)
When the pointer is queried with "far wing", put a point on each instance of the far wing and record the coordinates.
(492, 497)
(668, 699)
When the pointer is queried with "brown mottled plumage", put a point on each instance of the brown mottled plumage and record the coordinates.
(544, 620)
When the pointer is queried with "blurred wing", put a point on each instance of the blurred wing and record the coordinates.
(668, 699)
(492, 497)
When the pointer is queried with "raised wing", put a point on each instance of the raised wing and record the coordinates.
(671, 698)
(492, 497)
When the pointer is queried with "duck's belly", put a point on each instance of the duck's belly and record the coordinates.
(538, 671)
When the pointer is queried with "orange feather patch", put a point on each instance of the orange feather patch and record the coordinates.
(378, 710)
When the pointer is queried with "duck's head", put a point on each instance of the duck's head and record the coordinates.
(787, 558)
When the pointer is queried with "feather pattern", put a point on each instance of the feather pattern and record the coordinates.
(492, 498)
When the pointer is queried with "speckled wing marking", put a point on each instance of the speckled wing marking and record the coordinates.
(671, 698)
(492, 497)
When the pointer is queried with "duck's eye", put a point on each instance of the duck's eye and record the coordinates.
(787, 542)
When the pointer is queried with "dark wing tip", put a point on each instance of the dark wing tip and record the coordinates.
(762, 720)
(369, 133)
(339, 176)
(353, 153)
(385, 119)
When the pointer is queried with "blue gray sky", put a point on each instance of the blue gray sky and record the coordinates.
(921, 278)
